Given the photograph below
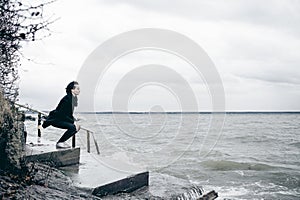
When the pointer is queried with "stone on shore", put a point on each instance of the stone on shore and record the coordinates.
(45, 183)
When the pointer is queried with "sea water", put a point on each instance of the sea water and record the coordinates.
(255, 156)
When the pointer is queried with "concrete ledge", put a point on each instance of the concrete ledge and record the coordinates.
(107, 175)
(45, 151)
(128, 184)
(58, 158)
(102, 175)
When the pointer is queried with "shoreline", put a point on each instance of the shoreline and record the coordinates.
(175, 112)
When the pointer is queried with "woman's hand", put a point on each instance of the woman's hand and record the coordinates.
(77, 127)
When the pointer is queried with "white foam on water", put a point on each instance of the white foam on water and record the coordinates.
(226, 192)
(240, 172)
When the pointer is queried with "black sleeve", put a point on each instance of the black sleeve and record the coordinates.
(64, 110)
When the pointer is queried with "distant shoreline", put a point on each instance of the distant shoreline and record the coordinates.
(200, 112)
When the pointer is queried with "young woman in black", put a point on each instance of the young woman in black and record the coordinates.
(62, 116)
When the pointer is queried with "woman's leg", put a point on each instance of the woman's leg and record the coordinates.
(65, 125)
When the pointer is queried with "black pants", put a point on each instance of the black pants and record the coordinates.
(65, 125)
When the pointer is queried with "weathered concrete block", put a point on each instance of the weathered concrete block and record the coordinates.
(56, 158)
(128, 184)
(107, 175)
(44, 151)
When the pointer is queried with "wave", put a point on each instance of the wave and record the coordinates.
(224, 165)
(194, 192)
(295, 144)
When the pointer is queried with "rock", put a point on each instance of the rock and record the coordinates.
(11, 131)
(41, 193)
(45, 183)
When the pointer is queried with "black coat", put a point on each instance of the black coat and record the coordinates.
(64, 110)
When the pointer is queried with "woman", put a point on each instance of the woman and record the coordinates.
(62, 116)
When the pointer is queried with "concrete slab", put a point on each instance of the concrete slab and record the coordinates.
(106, 175)
(103, 175)
(45, 151)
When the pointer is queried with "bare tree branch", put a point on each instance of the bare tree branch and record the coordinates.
(19, 22)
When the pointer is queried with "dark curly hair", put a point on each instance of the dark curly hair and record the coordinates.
(71, 86)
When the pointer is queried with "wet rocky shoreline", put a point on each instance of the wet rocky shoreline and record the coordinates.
(40, 182)
(45, 182)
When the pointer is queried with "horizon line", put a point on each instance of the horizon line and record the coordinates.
(189, 112)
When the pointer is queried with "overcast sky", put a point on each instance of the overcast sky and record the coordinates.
(254, 45)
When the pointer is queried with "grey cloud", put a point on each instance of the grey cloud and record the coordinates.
(280, 14)
(255, 40)
(274, 77)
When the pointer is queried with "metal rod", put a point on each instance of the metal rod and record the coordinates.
(73, 141)
(34, 110)
(46, 114)
(85, 129)
(39, 125)
(73, 138)
(88, 141)
(96, 144)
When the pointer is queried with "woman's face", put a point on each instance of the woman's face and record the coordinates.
(76, 90)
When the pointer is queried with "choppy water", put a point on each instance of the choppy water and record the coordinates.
(257, 156)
